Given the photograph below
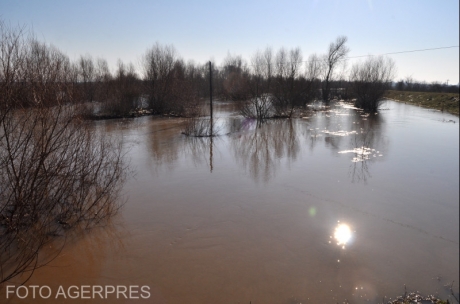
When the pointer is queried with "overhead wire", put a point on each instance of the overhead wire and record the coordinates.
(412, 51)
(372, 55)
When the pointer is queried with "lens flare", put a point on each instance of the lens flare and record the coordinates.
(342, 234)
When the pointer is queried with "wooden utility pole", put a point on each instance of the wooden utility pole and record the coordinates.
(210, 154)
(210, 93)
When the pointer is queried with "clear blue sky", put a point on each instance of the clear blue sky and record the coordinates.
(203, 30)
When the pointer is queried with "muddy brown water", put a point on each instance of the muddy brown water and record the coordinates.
(253, 216)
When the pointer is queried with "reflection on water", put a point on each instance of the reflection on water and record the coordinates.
(260, 149)
(247, 216)
(164, 142)
(362, 153)
(84, 261)
(342, 234)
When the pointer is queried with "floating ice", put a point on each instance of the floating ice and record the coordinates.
(339, 133)
(361, 153)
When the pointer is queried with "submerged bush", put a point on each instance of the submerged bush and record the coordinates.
(56, 172)
(370, 80)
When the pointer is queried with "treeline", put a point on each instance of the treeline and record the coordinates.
(269, 84)
(274, 84)
(410, 84)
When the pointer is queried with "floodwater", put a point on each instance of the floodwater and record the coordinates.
(331, 207)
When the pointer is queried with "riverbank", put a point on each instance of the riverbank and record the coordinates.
(448, 102)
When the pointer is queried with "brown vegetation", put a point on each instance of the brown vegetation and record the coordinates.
(369, 81)
(56, 173)
(449, 102)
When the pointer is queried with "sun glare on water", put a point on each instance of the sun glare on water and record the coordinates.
(342, 234)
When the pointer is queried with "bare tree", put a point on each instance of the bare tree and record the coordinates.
(194, 73)
(235, 76)
(168, 88)
(281, 98)
(260, 105)
(185, 96)
(400, 85)
(312, 75)
(369, 81)
(56, 173)
(103, 78)
(87, 77)
(409, 83)
(337, 53)
(158, 64)
(12, 68)
(435, 86)
(288, 89)
(120, 95)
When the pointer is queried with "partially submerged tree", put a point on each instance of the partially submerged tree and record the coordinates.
(87, 77)
(336, 54)
(235, 77)
(124, 91)
(260, 103)
(103, 79)
(168, 89)
(369, 81)
(56, 173)
(158, 64)
(312, 77)
(288, 88)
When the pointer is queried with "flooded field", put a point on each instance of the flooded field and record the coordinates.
(334, 206)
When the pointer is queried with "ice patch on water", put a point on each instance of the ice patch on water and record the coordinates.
(339, 133)
(362, 153)
(346, 105)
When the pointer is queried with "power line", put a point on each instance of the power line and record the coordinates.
(412, 51)
(362, 56)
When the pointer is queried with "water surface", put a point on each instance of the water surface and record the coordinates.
(337, 205)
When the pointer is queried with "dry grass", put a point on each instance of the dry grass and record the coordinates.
(448, 102)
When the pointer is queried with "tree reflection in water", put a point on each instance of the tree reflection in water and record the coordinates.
(85, 255)
(359, 169)
(167, 146)
(332, 127)
(368, 144)
(200, 149)
(261, 150)
(164, 142)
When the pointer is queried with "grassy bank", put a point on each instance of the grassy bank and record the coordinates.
(448, 102)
